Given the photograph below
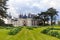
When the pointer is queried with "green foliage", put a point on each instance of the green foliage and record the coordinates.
(52, 13)
(25, 34)
(58, 22)
(50, 31)
(53, 33)
(1, 22)
(8, 25)
(30, 28)
(3, 9)
(46, 16)
(45, 31)
(14, 31)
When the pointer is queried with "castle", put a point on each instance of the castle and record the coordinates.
(23, 20)
(26, 20)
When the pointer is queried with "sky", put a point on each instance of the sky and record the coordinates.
(17, 7)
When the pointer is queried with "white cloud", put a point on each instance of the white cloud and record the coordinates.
(29, 5)
(13, 11)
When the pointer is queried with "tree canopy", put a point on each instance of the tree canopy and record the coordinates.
(48, 15)
(3, 8)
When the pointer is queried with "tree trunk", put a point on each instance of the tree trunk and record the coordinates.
(51, 20)
(47, 22)
(44, 23)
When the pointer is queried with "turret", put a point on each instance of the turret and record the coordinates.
(25, 16)
(21, 16)
(29, 15)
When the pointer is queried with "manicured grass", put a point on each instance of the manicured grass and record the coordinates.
(26, 34)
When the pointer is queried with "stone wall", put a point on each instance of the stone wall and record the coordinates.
(23, 22)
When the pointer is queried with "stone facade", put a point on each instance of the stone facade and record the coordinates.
(23, 22)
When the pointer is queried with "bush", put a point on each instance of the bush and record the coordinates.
(1, 22)
(9, 25)
(14, 31)
(50, 31)
(53, 33)
(30, 28)
(58, 35)
(45, 31)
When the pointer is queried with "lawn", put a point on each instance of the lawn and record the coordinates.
(26, 34)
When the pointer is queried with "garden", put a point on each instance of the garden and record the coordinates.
(29, 33)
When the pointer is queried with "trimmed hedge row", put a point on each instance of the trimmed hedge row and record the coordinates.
(48, 29)
(14, 31)
(52, 33)
(31, 28)
(45, 31)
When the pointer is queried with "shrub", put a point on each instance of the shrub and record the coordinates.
(45, 31)
(9, 25)
(30, 28)
(53, 33)
(1, 22)
(50, 31)
(14, 31)
(58, 35)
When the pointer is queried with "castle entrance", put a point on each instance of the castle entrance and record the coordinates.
(24, 23)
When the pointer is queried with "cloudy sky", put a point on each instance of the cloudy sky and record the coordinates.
(31, 6)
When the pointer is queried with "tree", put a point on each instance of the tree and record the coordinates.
(3, 8)
(2, 11)
(43, 16)
(2, 23)
(52, 12)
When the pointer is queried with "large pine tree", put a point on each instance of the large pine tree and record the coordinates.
(3, 9)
